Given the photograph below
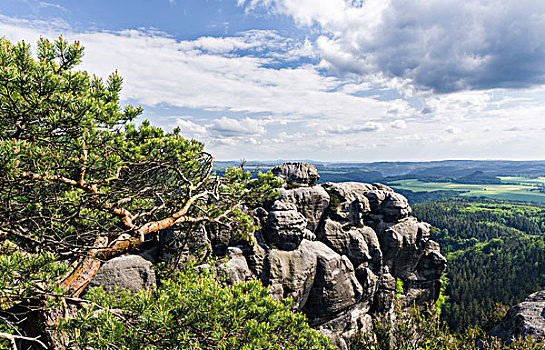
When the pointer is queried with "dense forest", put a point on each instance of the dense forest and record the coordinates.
(496, 254)
(415, 197)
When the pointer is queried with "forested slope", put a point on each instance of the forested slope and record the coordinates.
(496, 253)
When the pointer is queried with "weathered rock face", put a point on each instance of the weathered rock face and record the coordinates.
(297, 173)
(285, 226)
(291, 273)
(338, 248)
(359, 244)
(526, 319)
(348, 202)
(335, 287)
(312, 202)
(131, 272)
(237, 266)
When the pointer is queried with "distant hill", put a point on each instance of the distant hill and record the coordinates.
(459, 168)
(478, 177)
(427, 197)
(458, 171)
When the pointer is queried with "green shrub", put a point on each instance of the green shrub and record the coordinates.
(422, 329)
(192, 310)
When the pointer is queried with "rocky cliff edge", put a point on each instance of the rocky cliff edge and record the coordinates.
(338, 249)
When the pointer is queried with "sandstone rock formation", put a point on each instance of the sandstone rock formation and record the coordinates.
(131, 272)
(297, 173)
(338, 248)
(237, 266)
(526, 319)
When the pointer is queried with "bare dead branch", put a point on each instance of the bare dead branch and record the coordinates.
(13, 338)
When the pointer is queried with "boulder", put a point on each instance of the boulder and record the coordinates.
(297, 173)
(349, 191)
(526, 319)
(432, 265)
(312, 202)
(389, 205)
(292, 273)
(131, 272)
(395, 207)
(357, 243)
(237, 267)
(335, 286)
(348, 201)
(285, 226)
(402, 245)
(321, 282)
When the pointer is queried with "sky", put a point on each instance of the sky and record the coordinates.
(324, 80)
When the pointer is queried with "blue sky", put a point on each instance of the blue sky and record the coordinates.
(331, 80)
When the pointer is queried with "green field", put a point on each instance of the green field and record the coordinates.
(523, 180)
(514, 188)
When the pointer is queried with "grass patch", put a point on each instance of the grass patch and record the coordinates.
(513, 188)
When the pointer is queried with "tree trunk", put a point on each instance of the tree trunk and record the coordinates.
(88, 266)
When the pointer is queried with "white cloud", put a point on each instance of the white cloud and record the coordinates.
(218, 130)
(452, 129)
(398, 124)
(189, 128)
(228, 127)
(352, 129)
(213, 80)
(443, 45)
(456, 106)
(239, 95)
(257, 40)
(51, 5)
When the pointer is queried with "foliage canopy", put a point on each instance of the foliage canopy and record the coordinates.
(78, 178)
(81, 183)
(195, 309)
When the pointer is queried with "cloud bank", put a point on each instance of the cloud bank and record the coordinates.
(437, 45)
(263, 94)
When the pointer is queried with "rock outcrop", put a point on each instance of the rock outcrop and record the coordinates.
(526, 319)
(337, 249)
(131, 272)
(300, 174)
